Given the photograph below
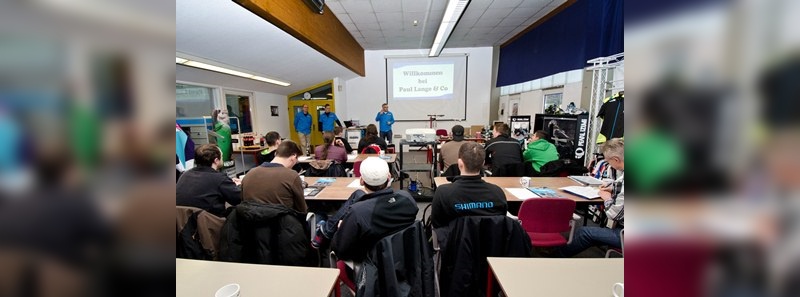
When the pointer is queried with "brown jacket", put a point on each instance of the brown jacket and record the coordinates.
(274, 184)
(209, 227)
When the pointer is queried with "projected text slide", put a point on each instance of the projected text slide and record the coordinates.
(433, 81)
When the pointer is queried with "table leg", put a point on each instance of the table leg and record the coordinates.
(489, 282)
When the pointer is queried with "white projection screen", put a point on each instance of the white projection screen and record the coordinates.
(418, 87)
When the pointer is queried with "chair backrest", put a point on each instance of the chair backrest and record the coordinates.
(441, 132)
(357, 169)
(371, 149)
(198, 233)
(546, 215)
(508, 170)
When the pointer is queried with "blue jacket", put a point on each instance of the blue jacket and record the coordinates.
(385, 120)
(327, 121)
(302, 123)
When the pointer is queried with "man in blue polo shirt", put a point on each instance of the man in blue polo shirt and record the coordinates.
(302, 124)
(327, 119)
(385, 120)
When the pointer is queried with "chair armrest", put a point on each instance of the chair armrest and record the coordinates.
(311, 220)
(572, 224)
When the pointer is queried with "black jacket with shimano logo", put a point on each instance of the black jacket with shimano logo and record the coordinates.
(466, 196)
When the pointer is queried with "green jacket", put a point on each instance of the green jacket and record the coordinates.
(539, 153)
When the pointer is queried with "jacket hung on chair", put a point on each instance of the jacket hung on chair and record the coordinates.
(503, 151)
(464, 245)
(265, 234)
(400, 264)
(198, 233)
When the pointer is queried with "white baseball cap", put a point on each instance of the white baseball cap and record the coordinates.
(374, 171)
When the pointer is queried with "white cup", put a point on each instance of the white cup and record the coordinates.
(382, 153)
(618, 290)
(229, 290)
(525, 181)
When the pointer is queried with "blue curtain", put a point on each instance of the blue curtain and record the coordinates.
(587, 29)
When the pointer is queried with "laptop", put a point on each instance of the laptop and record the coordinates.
(586, 180)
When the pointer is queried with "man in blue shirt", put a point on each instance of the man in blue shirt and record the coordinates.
(327, 119)
(302, 124)
(385, 119)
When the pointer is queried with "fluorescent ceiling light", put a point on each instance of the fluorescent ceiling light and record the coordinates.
(219, 69)
(453, 12)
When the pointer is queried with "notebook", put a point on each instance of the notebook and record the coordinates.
(586, 180)
(323, 182)
(585, 192)
(545, 192)
(311, 192)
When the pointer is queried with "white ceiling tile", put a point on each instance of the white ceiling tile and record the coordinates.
(415, 5)
(389, 17)
(335, 7)
(370, 35)
(344, 18)
(387, 6)
(512, 22)
(534, 3)
(439, 4)
(488, 22)
(496, 13)
(357, 6)
(366, 17)
(368, 26)
(524, 12)
(505, 3)
(502, 30)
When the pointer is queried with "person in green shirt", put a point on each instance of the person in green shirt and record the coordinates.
(539, 150)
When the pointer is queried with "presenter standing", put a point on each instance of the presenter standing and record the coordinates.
(385, 120)
(327, 120)
(302, 125)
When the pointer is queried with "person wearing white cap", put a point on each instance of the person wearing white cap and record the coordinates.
(380, 211)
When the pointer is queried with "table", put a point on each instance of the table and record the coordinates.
(252, 150)
(337, 191)
(203, 278)
(556, 277)
(360, 157)
(550, 182)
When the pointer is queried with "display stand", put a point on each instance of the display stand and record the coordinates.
(602, 87)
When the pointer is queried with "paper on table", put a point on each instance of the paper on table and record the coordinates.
(355, 184)
(303, 158)
(351, 157)
(585, 192)
(521, 193)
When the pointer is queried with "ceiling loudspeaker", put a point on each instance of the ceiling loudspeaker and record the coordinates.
(316, 5)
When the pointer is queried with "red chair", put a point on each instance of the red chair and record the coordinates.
(357, 169)
(441, 132)
(545, 218)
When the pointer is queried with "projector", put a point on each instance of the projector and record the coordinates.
(420, 135)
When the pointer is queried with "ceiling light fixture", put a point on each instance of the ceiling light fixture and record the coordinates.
(206, 66)
(453, 12)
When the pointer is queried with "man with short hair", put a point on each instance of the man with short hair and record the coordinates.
(613, 196)
(302, 125)
(502, 150)
(449, 150)
(204, 187)
(539, 151)
(378, 212)
(385, 120)
(468, 194)
(273, 139)
(327, 120)
(275, 182)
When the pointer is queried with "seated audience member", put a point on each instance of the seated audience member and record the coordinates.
(340, 140)
(449, 149)
(502, 150)
(614, 198)
(379, 212)
(273, 139)
(468, 194)
(371, 137)
(540, 151)
(329, 151)
(275, 182)
(204, 187)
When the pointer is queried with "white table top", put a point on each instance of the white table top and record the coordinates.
(557, 277)
(203, 278)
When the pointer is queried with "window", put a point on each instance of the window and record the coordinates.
(193, 101)
(238, 105)
(552, 99)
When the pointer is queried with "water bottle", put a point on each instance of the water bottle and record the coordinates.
(412, 186)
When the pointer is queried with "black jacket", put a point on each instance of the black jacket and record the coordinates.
(262, 233)
(464, 245)
(466, 196)
(365, 222)
(400, 264)
(364, 143)
(207, 189)
(347, 146)
(502, 151)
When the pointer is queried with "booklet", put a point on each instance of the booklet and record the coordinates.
(323, 182)
(545, 192)
(585, 192)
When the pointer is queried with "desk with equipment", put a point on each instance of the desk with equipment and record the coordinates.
(556, 277)
(203, 278)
